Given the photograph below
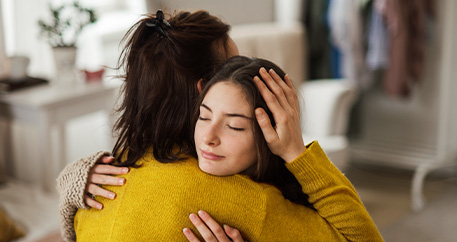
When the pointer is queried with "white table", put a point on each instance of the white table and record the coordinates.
(50, 106)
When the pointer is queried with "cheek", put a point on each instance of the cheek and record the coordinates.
(197, 135)
(248, 151)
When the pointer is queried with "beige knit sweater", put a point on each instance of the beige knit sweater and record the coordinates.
(71, 184)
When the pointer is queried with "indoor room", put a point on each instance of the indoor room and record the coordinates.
(374, 83)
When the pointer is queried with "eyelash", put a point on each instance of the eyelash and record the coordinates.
(236, 129)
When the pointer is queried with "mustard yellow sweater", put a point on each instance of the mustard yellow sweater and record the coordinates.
(157, 199)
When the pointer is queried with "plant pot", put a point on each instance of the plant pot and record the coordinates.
(65, 63)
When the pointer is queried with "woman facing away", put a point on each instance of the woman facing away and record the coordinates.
(155, 202)
(163, 61)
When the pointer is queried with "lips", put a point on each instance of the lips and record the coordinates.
(211, 156)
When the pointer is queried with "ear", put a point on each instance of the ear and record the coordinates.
(199, 85)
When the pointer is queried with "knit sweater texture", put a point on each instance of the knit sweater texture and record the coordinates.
(71, 184)
(157, 199)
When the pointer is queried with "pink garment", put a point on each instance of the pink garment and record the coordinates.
(406, 25)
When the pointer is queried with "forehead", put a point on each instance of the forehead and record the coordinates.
(227, 95)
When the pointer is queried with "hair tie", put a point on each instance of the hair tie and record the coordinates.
(157, 22)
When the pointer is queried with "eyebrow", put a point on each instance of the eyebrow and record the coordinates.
(228, 114)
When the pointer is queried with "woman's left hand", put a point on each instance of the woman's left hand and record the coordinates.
(284, 140)
(210, 230)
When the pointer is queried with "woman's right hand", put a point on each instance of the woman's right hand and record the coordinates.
(101, 174)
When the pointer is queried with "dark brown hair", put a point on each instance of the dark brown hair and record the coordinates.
(160, 84)
(269, 167)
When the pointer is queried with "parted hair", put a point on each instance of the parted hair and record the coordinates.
(269, 167)
(160, 83)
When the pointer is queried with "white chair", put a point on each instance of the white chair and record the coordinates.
(326, 105)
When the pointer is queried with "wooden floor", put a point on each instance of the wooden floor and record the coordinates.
(386, 195)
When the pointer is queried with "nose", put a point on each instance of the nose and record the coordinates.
(211, 137)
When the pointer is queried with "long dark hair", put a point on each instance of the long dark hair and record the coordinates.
(269, 167)
(160, 88)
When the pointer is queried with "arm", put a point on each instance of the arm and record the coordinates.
(334, 197)
(75, 181)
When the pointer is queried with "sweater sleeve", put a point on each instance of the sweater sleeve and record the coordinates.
(333, 195)
(71, 184)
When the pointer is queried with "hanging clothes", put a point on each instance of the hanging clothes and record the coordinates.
(318, 47)
(406, 26)
(377, 54)
(344, 18)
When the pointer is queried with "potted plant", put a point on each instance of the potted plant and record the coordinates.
(62, 31)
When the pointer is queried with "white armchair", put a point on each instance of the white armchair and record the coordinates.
(326, 105)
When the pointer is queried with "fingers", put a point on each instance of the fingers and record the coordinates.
(189, 235)
(284, 139)
(92, 203)
(202, 229)
(105, 179)
(214, 226)
(264, 122)
(99, 191)
(271, 100)
(208, 228)
(233, 233)
(106, 159)
(291, 94)
(285, 94)
(101, 175)
(109, 170)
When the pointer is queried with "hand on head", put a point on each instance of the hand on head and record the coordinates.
(285, 139)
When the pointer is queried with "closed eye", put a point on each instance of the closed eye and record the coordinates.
(203, 119)
(236, 129)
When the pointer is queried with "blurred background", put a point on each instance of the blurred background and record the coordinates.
(376, 80)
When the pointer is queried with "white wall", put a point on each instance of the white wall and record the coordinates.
(237, 11)
(22, 31)
(2, 45)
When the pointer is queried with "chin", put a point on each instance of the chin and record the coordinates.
(205, 167)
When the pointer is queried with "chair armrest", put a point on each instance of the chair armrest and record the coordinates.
(325, 106)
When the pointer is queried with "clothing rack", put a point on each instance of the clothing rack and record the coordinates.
(419, 132)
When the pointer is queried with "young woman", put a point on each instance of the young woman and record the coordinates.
(163, 61)
(163, 188)
(227, 136)
(229, 140)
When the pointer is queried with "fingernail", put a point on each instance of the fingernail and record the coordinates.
(258, 113)
(227, 228)
(262, 69)
(121, 181)
(111, 195)
(185, 230)
(201, 213)
(271, 70)
(125, 170)
(192, 216)
(256, 78)
(99, 206)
